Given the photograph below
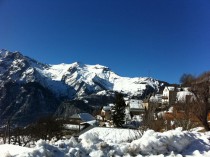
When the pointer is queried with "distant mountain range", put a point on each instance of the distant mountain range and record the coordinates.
(30, 89)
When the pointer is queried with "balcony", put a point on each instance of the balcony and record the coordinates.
(164, 97)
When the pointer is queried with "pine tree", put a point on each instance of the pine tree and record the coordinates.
(118, 113)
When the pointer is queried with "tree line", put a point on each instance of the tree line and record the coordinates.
(45, 128)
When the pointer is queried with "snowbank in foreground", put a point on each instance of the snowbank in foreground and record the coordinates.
(116, 142)
(111, 135)
(7, 150)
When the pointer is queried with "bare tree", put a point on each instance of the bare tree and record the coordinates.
(187, 79)
(200, 105)
(150, 118)
(200, 88)
(184, 117)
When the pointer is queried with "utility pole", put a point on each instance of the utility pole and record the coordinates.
(5, 134)
(9, 131)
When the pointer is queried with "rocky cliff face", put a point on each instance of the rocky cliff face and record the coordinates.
(25, 103)
(30, 89)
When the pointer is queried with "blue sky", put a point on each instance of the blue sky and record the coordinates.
(157, 38)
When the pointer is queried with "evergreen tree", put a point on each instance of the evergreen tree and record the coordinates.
(118, 113)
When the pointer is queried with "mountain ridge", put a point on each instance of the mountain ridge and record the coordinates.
(93, 77)
(72, 82)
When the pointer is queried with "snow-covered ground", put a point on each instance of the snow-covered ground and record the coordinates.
(99, 142)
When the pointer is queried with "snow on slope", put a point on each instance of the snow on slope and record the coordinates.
(93, 75)
(181, 95)
(106, 142)
(57, 71)
(78, 71)
(76, 78)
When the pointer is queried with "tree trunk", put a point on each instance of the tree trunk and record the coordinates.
(206, 125)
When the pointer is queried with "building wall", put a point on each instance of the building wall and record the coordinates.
(106, 115)
(169, 96)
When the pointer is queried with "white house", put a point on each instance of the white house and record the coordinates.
(156, 98)
(169, 95)
(136, 107)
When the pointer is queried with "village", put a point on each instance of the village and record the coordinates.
(160, 111)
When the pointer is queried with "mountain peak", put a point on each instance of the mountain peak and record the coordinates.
(78, 64)
(98, 66)
(4, 53)
(76, 77)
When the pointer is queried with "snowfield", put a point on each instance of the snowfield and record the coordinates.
(105, 142)
(91, 74)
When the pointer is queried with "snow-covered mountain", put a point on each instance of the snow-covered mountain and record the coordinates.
(71, 80)
(28, 87)
(88, 79)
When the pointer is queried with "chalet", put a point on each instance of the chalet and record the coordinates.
(83, 118)
(80, 121)
(136, 107)
(158, 98)
(169, 95)
(155, 102)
